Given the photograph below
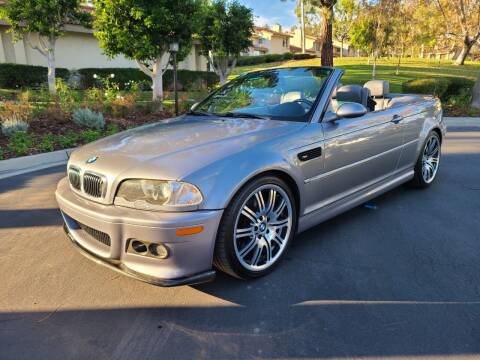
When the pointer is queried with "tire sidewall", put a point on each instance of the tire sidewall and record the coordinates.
(230, 221)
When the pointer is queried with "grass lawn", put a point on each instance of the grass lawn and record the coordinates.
(357, 71)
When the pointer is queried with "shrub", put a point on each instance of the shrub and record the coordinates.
(123, 77)
(458, 85)
(14, 76)
(431, 86)
(111, 129)
(47, 143)
(304, 56)
(20, 143)
(12, 110)
(88, 118)
(1, 154)
(67, 98)
(68, 140)
(90, 135)
(12, 126)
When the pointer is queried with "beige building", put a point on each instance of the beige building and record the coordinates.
(78, 48)
(313, 45)
(270, 41)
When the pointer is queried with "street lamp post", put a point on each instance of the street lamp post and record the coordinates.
(174, 47)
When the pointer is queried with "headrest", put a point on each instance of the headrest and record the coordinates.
(334, 93)
(353, 93)
(378, 88)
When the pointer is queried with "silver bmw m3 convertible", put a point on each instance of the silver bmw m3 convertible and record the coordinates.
(228, 185)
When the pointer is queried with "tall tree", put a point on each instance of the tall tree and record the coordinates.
(462, 23)
(372, 31)
(345, 13)
(225, 31)
(142, 30)
(40, 23)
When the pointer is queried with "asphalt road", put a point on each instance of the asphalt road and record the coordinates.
(401, 281)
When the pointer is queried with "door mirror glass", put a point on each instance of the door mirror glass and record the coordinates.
(351, 110)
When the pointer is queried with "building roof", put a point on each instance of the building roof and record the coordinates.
(273, 32)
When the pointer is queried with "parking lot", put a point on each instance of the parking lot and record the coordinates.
(399, 279)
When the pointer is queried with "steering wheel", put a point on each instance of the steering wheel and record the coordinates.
(304, 101)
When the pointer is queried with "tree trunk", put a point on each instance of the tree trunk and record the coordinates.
(157, 80)
(302, 21)
(341, 50)
(374, 69)
(476, 94)
(327, 43)
(467, 46)
(51, 72)
(397, 72)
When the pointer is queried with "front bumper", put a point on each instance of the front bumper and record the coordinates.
(190, 257)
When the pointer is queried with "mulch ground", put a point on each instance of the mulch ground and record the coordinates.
(59, 125)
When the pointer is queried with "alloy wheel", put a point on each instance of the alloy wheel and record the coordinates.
(262, 227)
(430, 159)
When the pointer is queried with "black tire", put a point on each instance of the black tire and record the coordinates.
(225, 258)
(418, 180)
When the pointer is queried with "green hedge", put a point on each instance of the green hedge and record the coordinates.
(13, 76)
(441, 87)
(188, 80)
(269, 58)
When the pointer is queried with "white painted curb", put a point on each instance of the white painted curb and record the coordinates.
(25, 164)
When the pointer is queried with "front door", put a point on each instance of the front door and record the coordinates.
(358, 152)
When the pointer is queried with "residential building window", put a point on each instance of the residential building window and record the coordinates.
(285, 42)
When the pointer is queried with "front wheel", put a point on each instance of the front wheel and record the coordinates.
(256, 229)
(427, 164)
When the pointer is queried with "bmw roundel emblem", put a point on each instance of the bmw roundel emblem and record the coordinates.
(92, 160)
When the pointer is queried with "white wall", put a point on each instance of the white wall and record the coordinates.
(77, 50)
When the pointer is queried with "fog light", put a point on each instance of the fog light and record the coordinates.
(158, 250)
(139, 247)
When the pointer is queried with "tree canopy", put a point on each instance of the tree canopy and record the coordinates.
(225, 31)
(44, 19)
(142, 30)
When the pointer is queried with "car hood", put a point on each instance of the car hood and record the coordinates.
(172, 148)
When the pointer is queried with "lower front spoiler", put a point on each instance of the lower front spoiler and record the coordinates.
(120, 268)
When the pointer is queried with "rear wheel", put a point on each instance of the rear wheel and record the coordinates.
(427, 164)
(256, 229)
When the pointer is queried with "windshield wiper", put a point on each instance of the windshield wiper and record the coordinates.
(244, 115)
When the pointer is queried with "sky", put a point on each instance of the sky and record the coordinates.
(272, 11)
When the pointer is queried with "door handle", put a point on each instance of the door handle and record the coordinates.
(396, 119)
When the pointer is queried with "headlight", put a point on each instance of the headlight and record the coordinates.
(152, 194)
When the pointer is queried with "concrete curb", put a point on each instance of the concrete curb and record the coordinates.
(461, 122)
(25, 164)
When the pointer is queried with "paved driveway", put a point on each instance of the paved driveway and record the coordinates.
(399, 281)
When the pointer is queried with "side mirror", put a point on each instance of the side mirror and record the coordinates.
(192, 108)
(351, 110)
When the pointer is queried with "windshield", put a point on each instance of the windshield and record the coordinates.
(278, 94)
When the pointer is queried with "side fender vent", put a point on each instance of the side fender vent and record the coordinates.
(310, 154)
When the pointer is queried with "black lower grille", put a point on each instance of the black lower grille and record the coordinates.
(96, 234)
